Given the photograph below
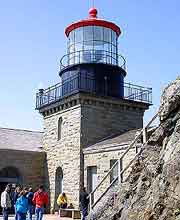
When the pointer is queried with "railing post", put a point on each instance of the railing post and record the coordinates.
(41, 91)
(90, 202)
(144, 135)
(136, 149)
(55, 93)
(48, 96)
(79, 56)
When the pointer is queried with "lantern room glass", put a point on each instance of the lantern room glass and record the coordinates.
(90, 44)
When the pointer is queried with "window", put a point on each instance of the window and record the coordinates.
(91, 178)
(113, 36)
(107, 35)
(59, 128)
(88, 33)
(71, 37)
(98, 33)
(79, 35)
(114, 172)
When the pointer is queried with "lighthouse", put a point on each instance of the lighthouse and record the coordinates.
(90, 103)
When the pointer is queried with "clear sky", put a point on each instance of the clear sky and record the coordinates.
(32, 42)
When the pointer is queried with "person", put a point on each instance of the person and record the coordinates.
(84, 202)
(22, 205)
(40, 200)
(10, 192)
(62, 201)
(30, 195)
(15, 197)
(6, 202)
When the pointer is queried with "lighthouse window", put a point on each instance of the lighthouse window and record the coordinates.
(98, 33)
(107, 35)
(113, 35)
(79, 35)
(72, 48)
(71, 37)
(107, 47)
(59, 128)
(88, 33)
(113, 49)
(79, 47)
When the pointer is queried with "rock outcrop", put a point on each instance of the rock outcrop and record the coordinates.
(152, 191)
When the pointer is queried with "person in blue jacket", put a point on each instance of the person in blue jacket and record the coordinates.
(22, 205)
(15, 197)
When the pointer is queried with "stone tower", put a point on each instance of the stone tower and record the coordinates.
(92, 102)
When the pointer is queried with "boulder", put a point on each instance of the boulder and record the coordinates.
(152, 191)
(170, 99)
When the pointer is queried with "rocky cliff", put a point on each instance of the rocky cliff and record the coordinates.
(152, 191)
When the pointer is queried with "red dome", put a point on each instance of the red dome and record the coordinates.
(93, 21)
(93, 13)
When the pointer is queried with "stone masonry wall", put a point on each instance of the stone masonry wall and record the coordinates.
(64, 153)
(29, 164)
(86, 119)
(101, 121)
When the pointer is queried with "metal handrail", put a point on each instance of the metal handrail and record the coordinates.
(74, 84)
(78, 57)
(142, 132)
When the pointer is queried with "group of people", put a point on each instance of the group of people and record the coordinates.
(24, 201)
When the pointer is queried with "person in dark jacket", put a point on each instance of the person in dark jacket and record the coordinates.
(30, 195)
(22, 205)
(15, 197)
(84, 202)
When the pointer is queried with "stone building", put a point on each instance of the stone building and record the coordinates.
(22, 158)
(89, 118)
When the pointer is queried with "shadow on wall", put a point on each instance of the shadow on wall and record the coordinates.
(58, 186)
(47, 184)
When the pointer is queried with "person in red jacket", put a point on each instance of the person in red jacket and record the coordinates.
(40, 200)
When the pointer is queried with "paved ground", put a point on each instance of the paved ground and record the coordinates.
(46, 217)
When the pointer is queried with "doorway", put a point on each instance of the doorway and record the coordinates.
(58, 185)
(9, 175)
(91, 179)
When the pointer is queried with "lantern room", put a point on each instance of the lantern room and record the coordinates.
(92, 56)
(93, 40)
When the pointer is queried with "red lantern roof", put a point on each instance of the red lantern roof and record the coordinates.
(93, 21)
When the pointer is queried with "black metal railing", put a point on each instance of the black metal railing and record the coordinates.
(92, 56)
(137, 93)
(88, 84)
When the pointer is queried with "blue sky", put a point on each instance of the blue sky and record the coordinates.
(32, 41)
